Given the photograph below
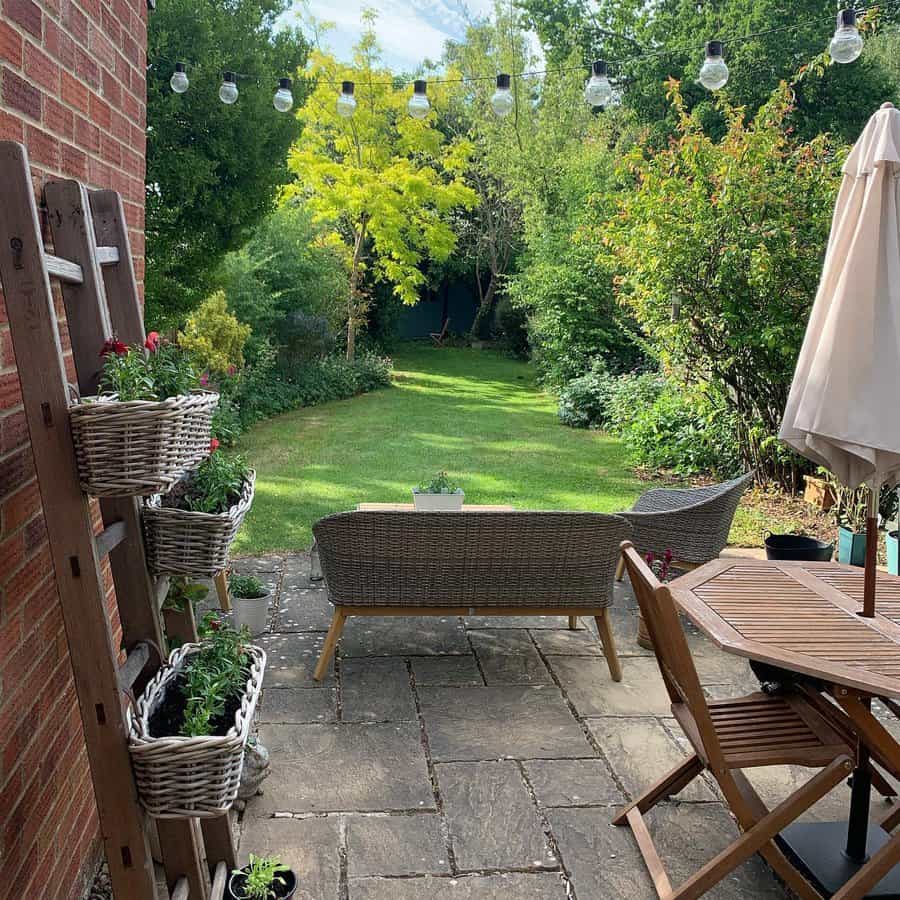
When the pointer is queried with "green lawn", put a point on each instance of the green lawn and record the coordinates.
(475, 413)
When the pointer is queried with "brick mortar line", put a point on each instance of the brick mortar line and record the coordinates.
(474, 653)
(432, 773)
(343, 860)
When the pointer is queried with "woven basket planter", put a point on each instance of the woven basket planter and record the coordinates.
(190, 776)
(139, 447)
(181, 542)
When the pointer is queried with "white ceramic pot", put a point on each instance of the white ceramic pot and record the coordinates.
(252, 613)
(438, 502)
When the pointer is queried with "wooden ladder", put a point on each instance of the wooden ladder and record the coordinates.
(93, 263)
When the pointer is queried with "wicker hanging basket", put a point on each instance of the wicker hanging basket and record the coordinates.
(190, 776)
(139, 447)
(181, 542)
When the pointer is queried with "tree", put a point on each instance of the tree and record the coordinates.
(213, 171)
(383, 182)
(719, 247)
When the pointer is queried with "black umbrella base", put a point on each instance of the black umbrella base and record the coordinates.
(819, 848)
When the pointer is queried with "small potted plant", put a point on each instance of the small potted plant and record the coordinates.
(438, 495)
(189, 531)
(263, 878)
(190, 725)
(250, 598)
(149, 422)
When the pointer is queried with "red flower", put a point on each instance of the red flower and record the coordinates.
(213, 445)
(152, 342)
(204, 380)
(232, 371)
(113, 345)
(215, 624)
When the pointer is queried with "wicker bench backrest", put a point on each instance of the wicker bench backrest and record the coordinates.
(469, 559)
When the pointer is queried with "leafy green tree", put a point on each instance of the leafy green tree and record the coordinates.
(383, 182)
(719, 248)
(213, 171)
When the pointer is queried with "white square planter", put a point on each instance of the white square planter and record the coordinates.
(438, 502)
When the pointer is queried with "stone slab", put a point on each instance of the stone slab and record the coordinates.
(347, 767)
(446, 670)
(493, 822)
(573, 782)
(303, 608)
(403, 636)
(588, 685)
(396, 845)
(537, 886)
(292, 660)
(475, 622)
(508, 656)
(376, 690)
(311, 847)
(518, 721)
(641, 752)
(296, 706)
(553, 642)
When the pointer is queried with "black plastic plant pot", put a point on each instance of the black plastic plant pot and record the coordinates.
(235, 888)
(799, 547)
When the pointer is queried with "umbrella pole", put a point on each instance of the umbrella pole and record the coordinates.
(868, 610)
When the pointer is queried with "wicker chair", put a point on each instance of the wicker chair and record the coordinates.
(470, 564)
(693, 523)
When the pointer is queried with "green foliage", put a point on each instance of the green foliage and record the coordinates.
(383, 183)
(585, 402)
(246, 587)
(213, 170)
(262, 876)
(215, 485)
(215, 336)
(511, 324)
(719, 247)
(213, 676)
(184, 593)
(439, 484)
(156, 371)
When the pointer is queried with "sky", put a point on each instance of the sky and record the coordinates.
(408, 30)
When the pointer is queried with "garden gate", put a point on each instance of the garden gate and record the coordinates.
(93, 264)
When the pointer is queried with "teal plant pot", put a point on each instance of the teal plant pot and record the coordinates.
(851, 547)
(893, 552)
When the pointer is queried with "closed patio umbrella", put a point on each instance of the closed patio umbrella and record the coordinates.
(842, 407)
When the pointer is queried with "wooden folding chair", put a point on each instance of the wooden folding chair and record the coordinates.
(729, 736)
(439, 336)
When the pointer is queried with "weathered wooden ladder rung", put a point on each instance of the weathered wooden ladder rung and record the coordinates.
(92, 261)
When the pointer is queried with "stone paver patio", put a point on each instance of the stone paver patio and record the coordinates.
(477, 759)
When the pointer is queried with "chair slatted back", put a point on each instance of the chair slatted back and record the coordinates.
(671, 647)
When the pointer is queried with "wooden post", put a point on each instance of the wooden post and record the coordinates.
(871, 576)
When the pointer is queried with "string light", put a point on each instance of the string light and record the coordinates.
(714, 72)
(847, 43)
(228, 90)
(283, 99)
(418, 105)
(346, 103)
(598, 91)
(179, 80)
(502, 102)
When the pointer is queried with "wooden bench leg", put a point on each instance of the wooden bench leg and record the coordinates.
(609, 645)
(221, 582)
(331, 639)
(620, 569)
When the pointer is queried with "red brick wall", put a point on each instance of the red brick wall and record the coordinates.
(72, 88)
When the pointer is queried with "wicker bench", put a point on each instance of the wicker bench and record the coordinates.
(470, 564)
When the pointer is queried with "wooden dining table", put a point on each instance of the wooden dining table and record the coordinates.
(804, 617)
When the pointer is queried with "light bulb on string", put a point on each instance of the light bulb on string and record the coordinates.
(847, 43)
(418, 105)
(502, 102)
(714, 72)
(283, 99)
(179, 80)
(228, 90)
(598, 91)
(346, 102)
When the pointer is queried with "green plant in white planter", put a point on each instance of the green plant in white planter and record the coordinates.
(439, 495)
(263, 878)
(250, 598)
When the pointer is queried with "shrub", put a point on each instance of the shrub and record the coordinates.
(585, 402)
(512, 324)
(305, 336)
(215, 336)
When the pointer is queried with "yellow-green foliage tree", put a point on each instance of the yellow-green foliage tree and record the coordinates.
(382, 183)
(215, 336)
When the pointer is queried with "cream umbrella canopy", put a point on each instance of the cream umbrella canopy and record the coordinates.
(841, 411)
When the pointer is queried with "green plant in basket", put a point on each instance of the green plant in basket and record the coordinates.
(216, 484)
(158, 370)
(263, 877)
